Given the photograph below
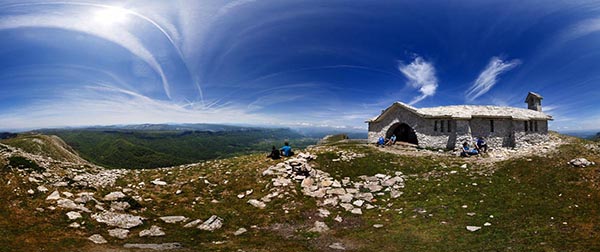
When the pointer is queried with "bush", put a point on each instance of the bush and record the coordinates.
(24, 163)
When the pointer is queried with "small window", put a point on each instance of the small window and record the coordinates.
(535, 126)
(435, 125)
(449, 126)
(491, 125)
(530, 125)
(525, 126)
(442, 126)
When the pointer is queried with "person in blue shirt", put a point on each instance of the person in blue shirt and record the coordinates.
(392, 140)
(381, 141)
(286, 150)
(481, 145)
(466, 151)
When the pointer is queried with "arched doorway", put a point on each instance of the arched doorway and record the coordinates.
(403, 132)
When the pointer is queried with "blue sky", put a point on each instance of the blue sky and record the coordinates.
(334, 63)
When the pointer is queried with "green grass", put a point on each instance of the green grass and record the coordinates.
(529, 199)
(133, 149)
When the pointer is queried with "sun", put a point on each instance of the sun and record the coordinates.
(111, 16)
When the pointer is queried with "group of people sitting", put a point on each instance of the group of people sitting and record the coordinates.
(381, 142)
(285, 151)
(480, 147)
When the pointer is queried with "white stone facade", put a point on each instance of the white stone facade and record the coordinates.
(448, 127)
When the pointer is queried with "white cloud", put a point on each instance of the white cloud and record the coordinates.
(580, 29)
(84, 24)
(489, 76)
(421, 75)
(105, 105)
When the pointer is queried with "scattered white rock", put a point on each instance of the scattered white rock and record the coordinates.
(31, 191)
(119, 206)
(347, 206)
(53, 196)
(358, 203)
(581, 162)
(356, 211)
(473, 228)
(192, 223)
(74, 225)
(114, 196)
(69, 204)
(346, 198)
(119, 233)
(240, 231)
(377, 225)
(323, 213)
(153, 246)
(464, 166)
(178, 192)
(337, 245)
(395, 194)
(98, 239)
(487, 224)
(319, 227)
(118, 219)
(153, 231)
(42, 189)
(338, 219)
(257, 203)
(158, 182)
(174, 219)
(73, 215)
(212, 223)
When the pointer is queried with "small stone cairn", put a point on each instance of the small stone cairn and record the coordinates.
(352, 196)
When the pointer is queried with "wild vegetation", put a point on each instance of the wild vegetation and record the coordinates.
(533, 203)
(150, 148)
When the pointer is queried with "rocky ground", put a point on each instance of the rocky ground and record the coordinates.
(328, 197)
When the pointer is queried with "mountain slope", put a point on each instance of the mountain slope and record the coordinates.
(136, 148)
(45, 145)
(534, 202)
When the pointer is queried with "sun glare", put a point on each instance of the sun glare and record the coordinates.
(111, 16)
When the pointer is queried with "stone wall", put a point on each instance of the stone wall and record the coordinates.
(396, 115)
(529, 137)
(424, 128)
(501, 136)
(507, 132)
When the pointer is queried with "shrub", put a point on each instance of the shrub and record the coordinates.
(24, 163)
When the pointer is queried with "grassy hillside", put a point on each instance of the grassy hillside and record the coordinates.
(534, 203)
(152, 148)
(44, 145)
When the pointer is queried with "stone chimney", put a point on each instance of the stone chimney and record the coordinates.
(534, 101)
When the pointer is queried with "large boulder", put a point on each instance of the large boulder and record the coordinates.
(118, 219)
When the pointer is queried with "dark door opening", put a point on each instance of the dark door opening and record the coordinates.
(404, 133)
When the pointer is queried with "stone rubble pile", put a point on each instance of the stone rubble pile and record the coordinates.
(352, 196)
(581, 162)
(346, 156)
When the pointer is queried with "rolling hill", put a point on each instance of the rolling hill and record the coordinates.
(357, 198)
(150, 146)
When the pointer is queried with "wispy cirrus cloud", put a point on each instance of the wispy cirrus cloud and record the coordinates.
(421, 75)
(84, 24)
(102, 104)
(489, 77)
